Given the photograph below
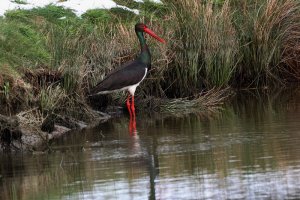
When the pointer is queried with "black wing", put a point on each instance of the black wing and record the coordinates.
(129, 74)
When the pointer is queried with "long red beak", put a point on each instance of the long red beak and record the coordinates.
(147, 30)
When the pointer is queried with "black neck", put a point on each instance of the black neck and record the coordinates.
(145, 55)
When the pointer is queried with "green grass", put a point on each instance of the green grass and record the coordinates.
(231, 43)
(97, 15)
(21, 44)
(204, 47)
(251, 43)
(19, 2)
(265, 34)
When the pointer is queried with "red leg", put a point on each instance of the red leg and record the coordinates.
(133, 113)
(132, 106)
(128, 105)
(132, 121)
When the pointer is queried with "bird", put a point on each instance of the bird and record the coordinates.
(129, 75)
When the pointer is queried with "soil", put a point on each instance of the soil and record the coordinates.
(15, 136)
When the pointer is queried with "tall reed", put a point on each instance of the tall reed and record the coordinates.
(218, 43)
(210, 43)
(266, 33)
(205, 45)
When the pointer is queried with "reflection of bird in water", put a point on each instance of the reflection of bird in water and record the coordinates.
(142, 151)
(153, 167)
(132, 126)
(149, 159)
(131, 74)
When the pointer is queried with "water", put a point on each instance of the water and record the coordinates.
(248, 150)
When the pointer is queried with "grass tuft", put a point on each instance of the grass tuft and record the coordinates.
(210, 44)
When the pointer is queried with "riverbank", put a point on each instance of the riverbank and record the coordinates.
(50, 57)
(28, 131)
(31, 131)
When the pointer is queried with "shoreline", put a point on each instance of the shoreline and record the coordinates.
(29, 131)
(18, 137)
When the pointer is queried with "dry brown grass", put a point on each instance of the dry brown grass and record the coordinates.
(211, 100)
(209, 45)
(269, 39)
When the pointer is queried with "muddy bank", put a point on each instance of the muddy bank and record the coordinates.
(32, 130)
(17, 135)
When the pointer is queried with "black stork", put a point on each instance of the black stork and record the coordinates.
(131, 74)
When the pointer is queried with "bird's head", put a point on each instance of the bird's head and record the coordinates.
(140, 27)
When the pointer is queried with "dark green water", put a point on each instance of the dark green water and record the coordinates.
(249, 150)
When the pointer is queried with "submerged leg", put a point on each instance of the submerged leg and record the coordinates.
(132, 126)
(132, 121)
